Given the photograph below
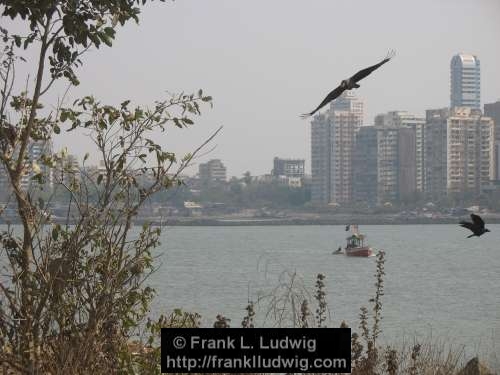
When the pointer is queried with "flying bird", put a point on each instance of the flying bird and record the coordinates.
(477, 226)
(349, 84)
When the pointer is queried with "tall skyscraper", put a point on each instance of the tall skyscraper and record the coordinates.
(332, 143)
(387, 165)
(470, 150)
(364, 166)
(344, 127)
(396, 164)
(407, 163)
(435, 155)
(320, 159)
(400, 152)
(492, 110)
(465, 81)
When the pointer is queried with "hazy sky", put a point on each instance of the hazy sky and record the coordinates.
(265, 62)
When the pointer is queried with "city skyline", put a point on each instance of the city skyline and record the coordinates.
(453, 150)
(262, 76)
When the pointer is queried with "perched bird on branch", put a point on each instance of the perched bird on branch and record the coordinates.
(349, 84)
(477, 226)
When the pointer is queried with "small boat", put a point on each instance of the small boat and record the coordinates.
(338, 251)
(356, 246)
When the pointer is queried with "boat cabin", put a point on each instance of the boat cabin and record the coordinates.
(355, 240)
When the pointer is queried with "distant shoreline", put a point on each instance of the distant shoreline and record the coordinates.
(274, 222)
(341, 220)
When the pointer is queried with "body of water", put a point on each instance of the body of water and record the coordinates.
(438, 283)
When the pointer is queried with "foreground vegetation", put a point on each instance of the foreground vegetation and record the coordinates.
(72, 295)
(289, 304)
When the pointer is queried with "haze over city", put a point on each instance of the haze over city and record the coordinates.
(264, 70)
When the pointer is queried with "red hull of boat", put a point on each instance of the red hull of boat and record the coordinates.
(359, 252)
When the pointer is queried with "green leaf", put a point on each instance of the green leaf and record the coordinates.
(110, 32)
(106, 39)
(17, 40)
(55, 232)
(94, 39)
(57, 129)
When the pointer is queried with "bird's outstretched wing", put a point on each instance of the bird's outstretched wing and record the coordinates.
(331, 96)
(467, 225)
(476, 219)
(367, 71)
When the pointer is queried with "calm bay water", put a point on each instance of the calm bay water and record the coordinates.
(437, 283)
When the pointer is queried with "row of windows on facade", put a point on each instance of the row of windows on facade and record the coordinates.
(472, 148)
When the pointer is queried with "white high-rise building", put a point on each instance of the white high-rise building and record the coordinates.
(465, 81)
(332, 144)
(344, 127)
(400, 155)
(470, 163)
